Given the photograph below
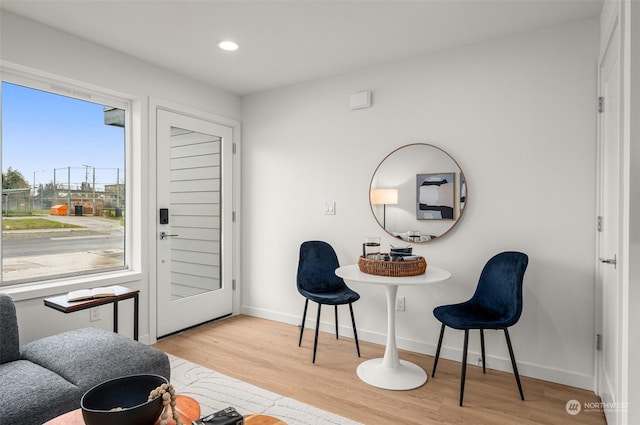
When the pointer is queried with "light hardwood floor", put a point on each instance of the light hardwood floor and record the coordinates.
(266, 354)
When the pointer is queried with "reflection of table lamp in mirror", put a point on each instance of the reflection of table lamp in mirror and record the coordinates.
(384, 197)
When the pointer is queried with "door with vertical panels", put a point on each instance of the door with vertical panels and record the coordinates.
(194, 172)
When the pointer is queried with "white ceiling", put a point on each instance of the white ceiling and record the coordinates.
(286, 42)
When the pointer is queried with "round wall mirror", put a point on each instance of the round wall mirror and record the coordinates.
(418, 193)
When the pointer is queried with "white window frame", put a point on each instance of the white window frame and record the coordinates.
(132, 272)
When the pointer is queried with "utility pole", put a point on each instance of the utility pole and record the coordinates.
(93, 190)
(86, 175)
(34, 189)
(68, 190)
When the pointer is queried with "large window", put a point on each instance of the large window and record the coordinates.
(63, 183)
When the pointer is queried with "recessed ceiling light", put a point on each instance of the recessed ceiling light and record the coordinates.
(228, 45)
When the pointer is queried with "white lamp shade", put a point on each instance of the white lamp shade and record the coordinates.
(384, 196)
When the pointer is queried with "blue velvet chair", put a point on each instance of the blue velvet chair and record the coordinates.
(317, 281)
(496, 304)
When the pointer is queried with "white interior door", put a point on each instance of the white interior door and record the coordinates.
(194, 227)
(609, 293)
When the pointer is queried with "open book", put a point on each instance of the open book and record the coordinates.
(84, 294)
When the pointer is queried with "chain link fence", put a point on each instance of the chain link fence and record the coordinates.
(73, 191)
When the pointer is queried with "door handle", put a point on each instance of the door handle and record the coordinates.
(613, 261)
(164, 235)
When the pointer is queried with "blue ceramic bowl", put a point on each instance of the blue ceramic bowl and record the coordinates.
(398, 253)
(131, 393)
(402, 251)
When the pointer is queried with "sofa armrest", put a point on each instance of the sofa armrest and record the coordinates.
(9, 338)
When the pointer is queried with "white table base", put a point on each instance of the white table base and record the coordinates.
(405, 376)
(390, 372)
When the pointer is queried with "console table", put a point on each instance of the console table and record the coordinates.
(390, 372)
(60, 303)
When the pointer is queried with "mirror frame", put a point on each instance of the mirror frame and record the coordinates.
(462, 176)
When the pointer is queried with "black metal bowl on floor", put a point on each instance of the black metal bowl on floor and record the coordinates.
(123, 401)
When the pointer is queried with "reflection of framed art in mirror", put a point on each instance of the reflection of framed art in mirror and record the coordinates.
(435, 196)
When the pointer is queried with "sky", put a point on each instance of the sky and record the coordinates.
(43, 131)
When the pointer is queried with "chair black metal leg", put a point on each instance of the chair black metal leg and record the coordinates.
(355, 333)
(336, 314)
(464, 364)
(315, 341)
(435, 362)
(513, 363)
(304, 316)
(484, 369)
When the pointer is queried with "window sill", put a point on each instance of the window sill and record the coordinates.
(56, 287)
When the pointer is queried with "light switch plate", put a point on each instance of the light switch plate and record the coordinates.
(329, 208)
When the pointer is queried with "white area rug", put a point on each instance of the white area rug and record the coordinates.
(215, 391)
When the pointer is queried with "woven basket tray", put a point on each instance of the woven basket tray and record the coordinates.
(392, 268)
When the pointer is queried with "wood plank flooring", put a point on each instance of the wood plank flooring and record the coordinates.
(266, 354)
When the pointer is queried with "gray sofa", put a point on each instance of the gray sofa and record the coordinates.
(49, 376)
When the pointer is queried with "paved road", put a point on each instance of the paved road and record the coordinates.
(31, 254)
(61, 243)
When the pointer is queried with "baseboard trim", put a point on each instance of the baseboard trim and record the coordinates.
(545, 373)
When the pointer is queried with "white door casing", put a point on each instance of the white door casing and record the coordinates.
(608, 280)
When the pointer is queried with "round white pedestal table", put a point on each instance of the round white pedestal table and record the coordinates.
(390, 372)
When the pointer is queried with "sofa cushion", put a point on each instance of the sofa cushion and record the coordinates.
(9, 340)
(87, 357)
(32, 395)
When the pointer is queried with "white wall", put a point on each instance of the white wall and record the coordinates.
(29, 44)
(516, 113)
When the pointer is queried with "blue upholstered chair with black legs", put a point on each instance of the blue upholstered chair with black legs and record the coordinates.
(318, 282)
(496, 304)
